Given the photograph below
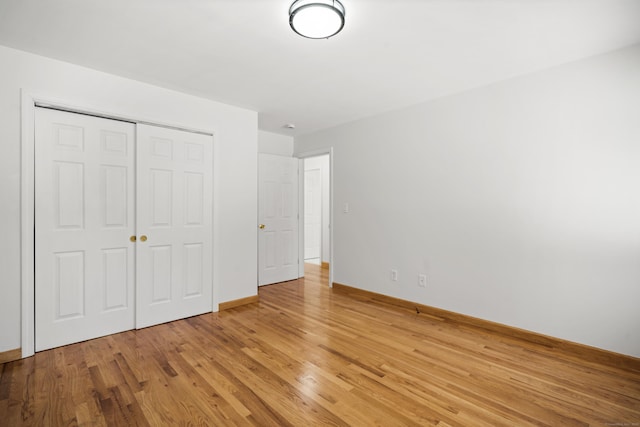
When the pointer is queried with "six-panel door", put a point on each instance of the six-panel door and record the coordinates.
(278, 216)
(99, 182)
(84, 216)
(174, 270)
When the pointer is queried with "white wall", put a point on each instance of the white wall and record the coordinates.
(235, 165)
(520, 201)
(273, 143)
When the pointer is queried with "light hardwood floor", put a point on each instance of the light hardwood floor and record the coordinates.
(305, 355)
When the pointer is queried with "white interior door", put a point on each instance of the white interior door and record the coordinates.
(84, 216)
(174, 224)
(312, 213)
(278, 216)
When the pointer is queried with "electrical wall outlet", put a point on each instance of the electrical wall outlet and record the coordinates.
(422, 280)
(394, 275)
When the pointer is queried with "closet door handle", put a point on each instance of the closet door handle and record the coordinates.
(143, 238)
(132, 239)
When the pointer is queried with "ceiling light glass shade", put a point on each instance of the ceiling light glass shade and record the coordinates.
(316, 19)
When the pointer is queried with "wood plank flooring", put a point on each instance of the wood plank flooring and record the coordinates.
(305, 355)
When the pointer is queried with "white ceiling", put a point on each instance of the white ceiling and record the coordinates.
(391, 53)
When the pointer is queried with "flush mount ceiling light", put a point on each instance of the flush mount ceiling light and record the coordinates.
(316, 19)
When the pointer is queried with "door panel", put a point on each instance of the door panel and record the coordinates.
(114, 191)
(175, 191)
(84, 216)
(68, 194)
(278, 212)
(116, 268)
(193, 261)
(69, 285)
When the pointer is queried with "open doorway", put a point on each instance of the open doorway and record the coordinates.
(316, 216)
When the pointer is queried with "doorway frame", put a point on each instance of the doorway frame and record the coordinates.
(30, 100)
(301, 157)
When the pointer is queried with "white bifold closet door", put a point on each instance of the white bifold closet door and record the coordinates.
(84, 216)
(97, 185)
(174, 264)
